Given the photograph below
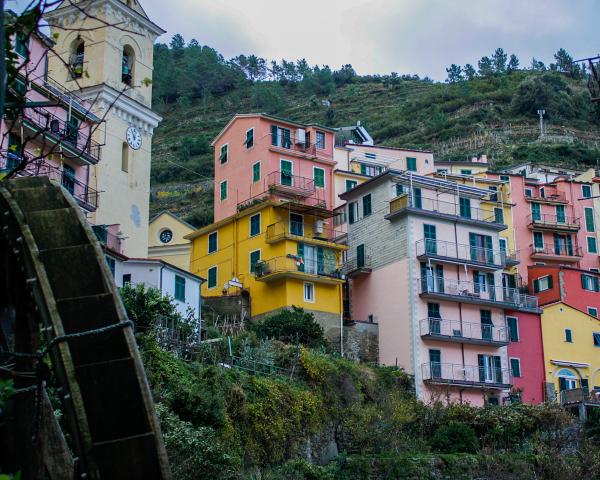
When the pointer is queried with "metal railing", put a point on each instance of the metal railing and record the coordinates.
(549, 196)
(107, 238)
(456, 329)
(579, 395)
(296, 264)
(549, 220)
(353, 264)
(464, 374)
(279, 181)
(295, 144)
(61, 131)
(556, 250)
(317, 231)
(466, 253)
(476, 291)
(81, 191)
(439, 206)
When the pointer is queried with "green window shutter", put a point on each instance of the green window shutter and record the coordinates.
(360, 255)
(350, 184)
(418, 199)
(498, 368)
(254, 225)
(589, 219)
(515, 367)
(465, 207)
(273, 135)
(535, 211)
(513, 329)
(286, 172)
(212, 242)
(538, 239)
(399, 189)
(224, 190)
(223, 157)
(584, 281)
(301, 255)
(212, 277)
(536, 286)
(320, 260)
(550, 282)
(249, 138)
(363, 169)
(256, 172)
(562, 384)
(592, 245)
(411, 164)
(319, 177)
(254, 259)
(498, 215)
(351, 216)
(287, 142)
(481, 364)
(366, 201)
(179, 288)
(568, 335)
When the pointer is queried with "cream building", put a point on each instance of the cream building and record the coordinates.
(104, 49)
(166, 240)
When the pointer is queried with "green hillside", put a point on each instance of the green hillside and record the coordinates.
(197, 91)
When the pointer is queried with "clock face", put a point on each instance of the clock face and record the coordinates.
(166, 236)
(134, 138)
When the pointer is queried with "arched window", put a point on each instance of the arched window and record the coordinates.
(567, 379)
(127, 65)
(77, 57)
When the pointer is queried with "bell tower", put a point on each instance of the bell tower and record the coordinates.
(104, 53)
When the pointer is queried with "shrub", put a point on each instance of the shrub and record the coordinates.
(291, 325)
(455, 437)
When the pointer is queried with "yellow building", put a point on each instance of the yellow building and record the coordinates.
(282, 253)
(571, 340)
(111, 66)
(166, 240)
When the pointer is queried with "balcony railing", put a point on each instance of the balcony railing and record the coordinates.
(463, 332)
(441, 207)
(464, 253)
(548, 197)
(86, 196)
(297, 266)
(108, 239)
(354, 266)
(562, 251)
(299, 230)
(554, 222)
(69, 135)
(476, 292)
(465, 375)
(579, 395)
(293, 185)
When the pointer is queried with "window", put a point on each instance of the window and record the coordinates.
(586, 191)
(370, 170)
(68, 178)
(256, 172)
(212, 277)
(319, 177)
(366, 204)
(286, 172)
(360, 255)
(127, 279)
(111, 265)
(536, 212)
(487, 325)
(281, 137)
(430, 235)
(592, 246)
(513, 328)
(350, 184)
(418, 198)
(593, 311)
(466, 172)
(254, 259)
(435, 363)
(223, 190)
(255, 224)
(515, 367)
(411, 164)
(442, 171)
(503, 247)
(212, 242)
(352, 212)
(589, 219)
(498, 215)
(596, 339)
(568, 335)
(309, 292)
(590, 282)
(320, 140)
(77, 57)
(465, 207)
(399, 189)
(125, 157)
(21, 44)
(542, 192)
(371, 156)
(371, 318)
(179, 288)
(567, 380)
(490, 368)
(528, 192)
(504, 178)
(296, 224)
(560, 214)
(542, 284)
(127, 65)
(249, 138)
(223, 156)
(493, 193)
(538, 241)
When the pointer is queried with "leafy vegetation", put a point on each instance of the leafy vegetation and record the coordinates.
(291, 325)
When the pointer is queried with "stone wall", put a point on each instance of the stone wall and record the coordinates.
(361, 341)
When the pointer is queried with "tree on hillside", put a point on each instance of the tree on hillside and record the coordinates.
(177, 45)
(564, 64)
(537, 65)
(486, 66)
(513, 63)
(469, 71)
(454, 73)
(548, 91)
(344, 75)
(499, 59)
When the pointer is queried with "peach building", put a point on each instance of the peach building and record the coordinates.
(426, 263)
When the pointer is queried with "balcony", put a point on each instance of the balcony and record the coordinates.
(550, 197)
(292, 266)
(562, 253)
(74, 143)
(83, 194)
(288, 185)
(577, 396)
(319, 233)
(450, 252)
(463, 332)
(439, 209)
(465, 376)
(553, 222)
(353, 267)
(464, 291)
(299, 146)
(107, 238)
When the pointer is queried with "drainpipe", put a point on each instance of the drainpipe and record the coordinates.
(341, 320)
(161, 277)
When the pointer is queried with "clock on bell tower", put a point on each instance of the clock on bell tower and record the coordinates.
(104, 52)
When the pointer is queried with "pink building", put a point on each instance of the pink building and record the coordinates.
(258, 155)
(427, 268)
(53, 140)
(554, 223)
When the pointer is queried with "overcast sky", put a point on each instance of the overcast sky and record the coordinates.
(381, 36)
